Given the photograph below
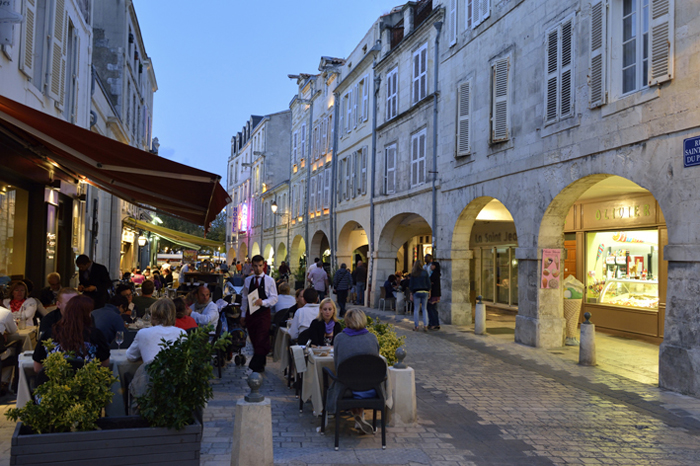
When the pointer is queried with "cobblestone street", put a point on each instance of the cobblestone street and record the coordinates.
(481, 401)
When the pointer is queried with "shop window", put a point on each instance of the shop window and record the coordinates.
(498, 281)
(14, 205)
(623, 268)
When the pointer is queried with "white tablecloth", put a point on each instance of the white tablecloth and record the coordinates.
(27, 338)
(281, 349)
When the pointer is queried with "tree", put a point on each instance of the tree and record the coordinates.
(217, 232)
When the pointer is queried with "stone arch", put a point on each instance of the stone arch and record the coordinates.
(255, 249)
(269, 254)
(352, 244)
(281, 254)
(230, 255)
(319, 245)
(298, 252)
(242, 252)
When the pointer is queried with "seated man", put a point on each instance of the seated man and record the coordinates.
(7, 326)
(54, 316)
(284, 300)
(204, 311)
(304, 315)
(108, 319)
(128, 293)
(49, 294)
(146, 300)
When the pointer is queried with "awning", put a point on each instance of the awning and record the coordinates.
(136, 176)
(172, 235)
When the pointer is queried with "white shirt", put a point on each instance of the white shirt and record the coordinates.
(285, 301)
(302, 320)
(7, 322)
(146, 344)
(27, 310)
(206, 316)
(270, 291)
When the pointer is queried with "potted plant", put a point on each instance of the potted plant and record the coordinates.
(300, 278)
(389, 342)
(64, 426)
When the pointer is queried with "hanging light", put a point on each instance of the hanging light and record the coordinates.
(142, 241)
(273, 206)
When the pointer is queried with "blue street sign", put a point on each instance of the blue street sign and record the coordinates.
(691, 152)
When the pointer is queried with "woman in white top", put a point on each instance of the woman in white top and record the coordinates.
(19, 302)
(147, 343)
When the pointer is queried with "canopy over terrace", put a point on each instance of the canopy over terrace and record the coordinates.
(66, 151)
(185, 239)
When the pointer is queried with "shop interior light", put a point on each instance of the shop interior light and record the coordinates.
(142, 241)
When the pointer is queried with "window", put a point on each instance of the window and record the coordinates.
(327, 189)
(463, 118)
(324, 136)
(312, 195)
(559, 43)
(500, 118)
(355, 104)
(349, 108)
(390, 169)
(392, 81)
(479, 10)
(331, 131)
(641, 45)
(418, 158)
(420, 73)
(365, 97)
(294, 146)
(453, 22)
(319, 191)
(362, 189)
(341, 179)
(303, 141)
(347, 189)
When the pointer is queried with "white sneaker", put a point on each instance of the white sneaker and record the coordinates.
(364, 426)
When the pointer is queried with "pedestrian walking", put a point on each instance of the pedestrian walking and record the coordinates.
(420, 287)
(359, 276)
(435, 293)
(342, 284)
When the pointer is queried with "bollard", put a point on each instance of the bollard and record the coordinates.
(480, 317)
(402, 381)
(252, 428)
(586, 352)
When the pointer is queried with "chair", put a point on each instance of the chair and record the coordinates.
(297, 365)
(8, 358)
(278, 320)
(383, 300)
(358, 373)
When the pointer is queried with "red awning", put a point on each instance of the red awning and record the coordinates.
(134, 175)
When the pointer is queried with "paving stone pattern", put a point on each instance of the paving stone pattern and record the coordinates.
(481, 401)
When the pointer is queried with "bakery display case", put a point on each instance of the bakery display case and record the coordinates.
(641, 294)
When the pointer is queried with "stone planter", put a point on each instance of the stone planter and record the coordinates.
(122, 441)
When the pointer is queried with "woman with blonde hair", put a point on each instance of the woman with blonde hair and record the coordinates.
(325, 327)
(420, 288)
(147, 342)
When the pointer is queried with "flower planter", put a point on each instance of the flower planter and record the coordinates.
(122, 441)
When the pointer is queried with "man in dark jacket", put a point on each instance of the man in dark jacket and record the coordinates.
(360, 278)
(342, 283)
(109, 318)
(94, 280)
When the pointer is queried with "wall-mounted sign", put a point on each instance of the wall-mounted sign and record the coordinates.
(243, 219)
(234, 220)
(691, 152)
(550, 268)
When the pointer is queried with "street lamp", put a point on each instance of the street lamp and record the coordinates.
(142, 241)
(273, 206)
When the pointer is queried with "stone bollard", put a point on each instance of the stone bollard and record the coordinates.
(480, 317)
(403, 391)
(586, 352)
(252, 429)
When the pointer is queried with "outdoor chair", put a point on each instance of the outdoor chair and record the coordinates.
(383, 300)
(8, 358)
(297, 367)
(359, 373)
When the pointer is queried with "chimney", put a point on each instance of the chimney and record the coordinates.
(386, 41)
(408, 19)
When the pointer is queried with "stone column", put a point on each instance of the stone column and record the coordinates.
(540, 321)
(383, 265)
(455, 305)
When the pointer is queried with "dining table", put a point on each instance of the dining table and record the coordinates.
(281, 350)
(121, 368)
(27, 337)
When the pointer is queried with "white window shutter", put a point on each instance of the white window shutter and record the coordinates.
(355, 102)
(342, 117)
(424, 73)
(485, 10)
(349, 109)
(395, 98)
(324, 136)
(500, 118)
(303, 141)
(421, 159)
(596, 72)
(661, 46)
(331, 131)
(566, 105)
(294, 146)
(57, 64)
(390, 180)
(453, 21)
(365, 98)
(463, 119)
(327, 189)
(318, 140)
(414, 161)
(363, 178)
(319, 191)
(341, 165)
(348, 185)
(476, 12)
(312, 195)
(416, 77)
(26, 61)
(552, 75)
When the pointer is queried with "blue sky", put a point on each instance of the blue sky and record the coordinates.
(219, 61)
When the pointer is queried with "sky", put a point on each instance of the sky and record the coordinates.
(219, 61)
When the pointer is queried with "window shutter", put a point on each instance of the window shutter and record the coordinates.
(421, 158)
(331, 132)
(294, 147)
(453, 21)
(500, 119)
(365, 98)
(354, 169)
(424, 73)
(552, 63)
(26, 62)
(57, 65)
(567, 64)
(596, 72)
(414, 161)
(341, 166)
(363, 178)
(661, 41)
(389, 80)
(342, 117)
(319, 191)
(395, 99)
(416, 77)
(312, 195)
(327, 189)
(324, 137)
(463, 107)
(485, 11)
(355, 102)
(349, 116)
(318, 141)
(303, 141)
(390, 176)
(348, 169)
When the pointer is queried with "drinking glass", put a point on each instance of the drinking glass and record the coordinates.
(120, 339)
(327, 340)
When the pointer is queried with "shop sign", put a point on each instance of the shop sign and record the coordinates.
(189, 256)
(234, 220)
(691, 152)
(551, 268)
(243, 219)
(631, 212)
(493, 233)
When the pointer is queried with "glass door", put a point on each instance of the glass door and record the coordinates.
(502, 275)
(487, 275)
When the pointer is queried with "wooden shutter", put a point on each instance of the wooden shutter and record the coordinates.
(414, 160)
(481, 9)
(485, 11)
(318, 140)
(421, 157)
(365, 98)
(416, 77)
(661, 35)
(312, 195)
(341, 166)
(327, 189)
(566, 107)
(349, 110)
(355, 173)
(552, 70)
(303, 141)
(324, 136)
(363, 171)
(294, 147)
(390, 171)
(57, 64)
(596, 69)
(395, 95)
(319, 191)
(463, 118)
(331, 132)
(342, 117)
(26, 62)
(355, 102)
(348, 169)
(453, 21)
(500, 118)
(424, 72)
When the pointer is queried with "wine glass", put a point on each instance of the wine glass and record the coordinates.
(120, 339)
(327, 340)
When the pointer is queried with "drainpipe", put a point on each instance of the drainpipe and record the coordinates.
(438, 28)
(307, 157)
(377, 81)
(334, 173)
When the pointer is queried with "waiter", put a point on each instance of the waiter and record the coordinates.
(94, 280)
(258, 322)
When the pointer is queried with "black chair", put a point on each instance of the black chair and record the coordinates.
(8, 358)
(279, 319)
(358, 373)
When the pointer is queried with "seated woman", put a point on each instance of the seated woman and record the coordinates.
(326, 325)
(147, 342)
(75, 333)
(19, 302)
(354, 340)
(182, 318)
(391, 286)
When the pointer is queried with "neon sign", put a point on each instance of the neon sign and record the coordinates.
(243, 219)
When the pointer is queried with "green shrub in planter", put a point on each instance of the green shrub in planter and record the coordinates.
(70, 400)
(389, 342)
(179, 380)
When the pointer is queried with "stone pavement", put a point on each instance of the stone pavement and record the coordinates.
(481, 401)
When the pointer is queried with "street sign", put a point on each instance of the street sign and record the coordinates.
(691, 152)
